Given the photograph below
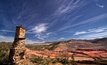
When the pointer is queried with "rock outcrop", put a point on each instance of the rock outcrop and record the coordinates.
(17, 51)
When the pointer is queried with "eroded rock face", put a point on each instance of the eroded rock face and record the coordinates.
(17, 51)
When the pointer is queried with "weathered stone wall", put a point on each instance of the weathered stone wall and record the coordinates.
(17, 51)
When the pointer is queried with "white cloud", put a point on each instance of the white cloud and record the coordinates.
(11, 39)
(81, 32)
(6, 31)
(61, 38)
(97, 4)
(40, 31)
(93, 35)
(40, 28)
(94, 30)
(43, 36)
(92, 20)
(6, 38)
(62, 9)
(69, 7)
(101, 6)
(97, 29)
(28, 41)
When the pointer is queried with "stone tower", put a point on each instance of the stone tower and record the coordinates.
(17, 51)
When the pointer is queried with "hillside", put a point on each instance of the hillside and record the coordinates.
(58, 49)
(71, 45)
(81, 50)
(101, 42)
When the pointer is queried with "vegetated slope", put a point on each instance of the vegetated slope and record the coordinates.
(37, 46)
(101, 42)
(79, 44)
(4, 51)
(71, 45)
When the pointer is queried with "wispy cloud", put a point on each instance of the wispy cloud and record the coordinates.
(41, 36)
(40, 31)
(28, 41)
(62, 9)
(40, 28)
(7, 31)
(97, 4)
(94, 30)
(11, 39)
(61, 38)
(22, 9)
(101, 6)
(69, 6)
(92, 33)
(66, 13)
(80, 32)
(92, 20)
(100, 29)
(6, 38)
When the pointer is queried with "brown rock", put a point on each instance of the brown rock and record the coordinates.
(17, 51)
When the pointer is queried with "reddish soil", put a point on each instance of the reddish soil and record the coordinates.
(78, 54)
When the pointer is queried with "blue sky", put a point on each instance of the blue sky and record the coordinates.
(53, 20)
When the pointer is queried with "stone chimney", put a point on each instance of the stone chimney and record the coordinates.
(17, 51)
